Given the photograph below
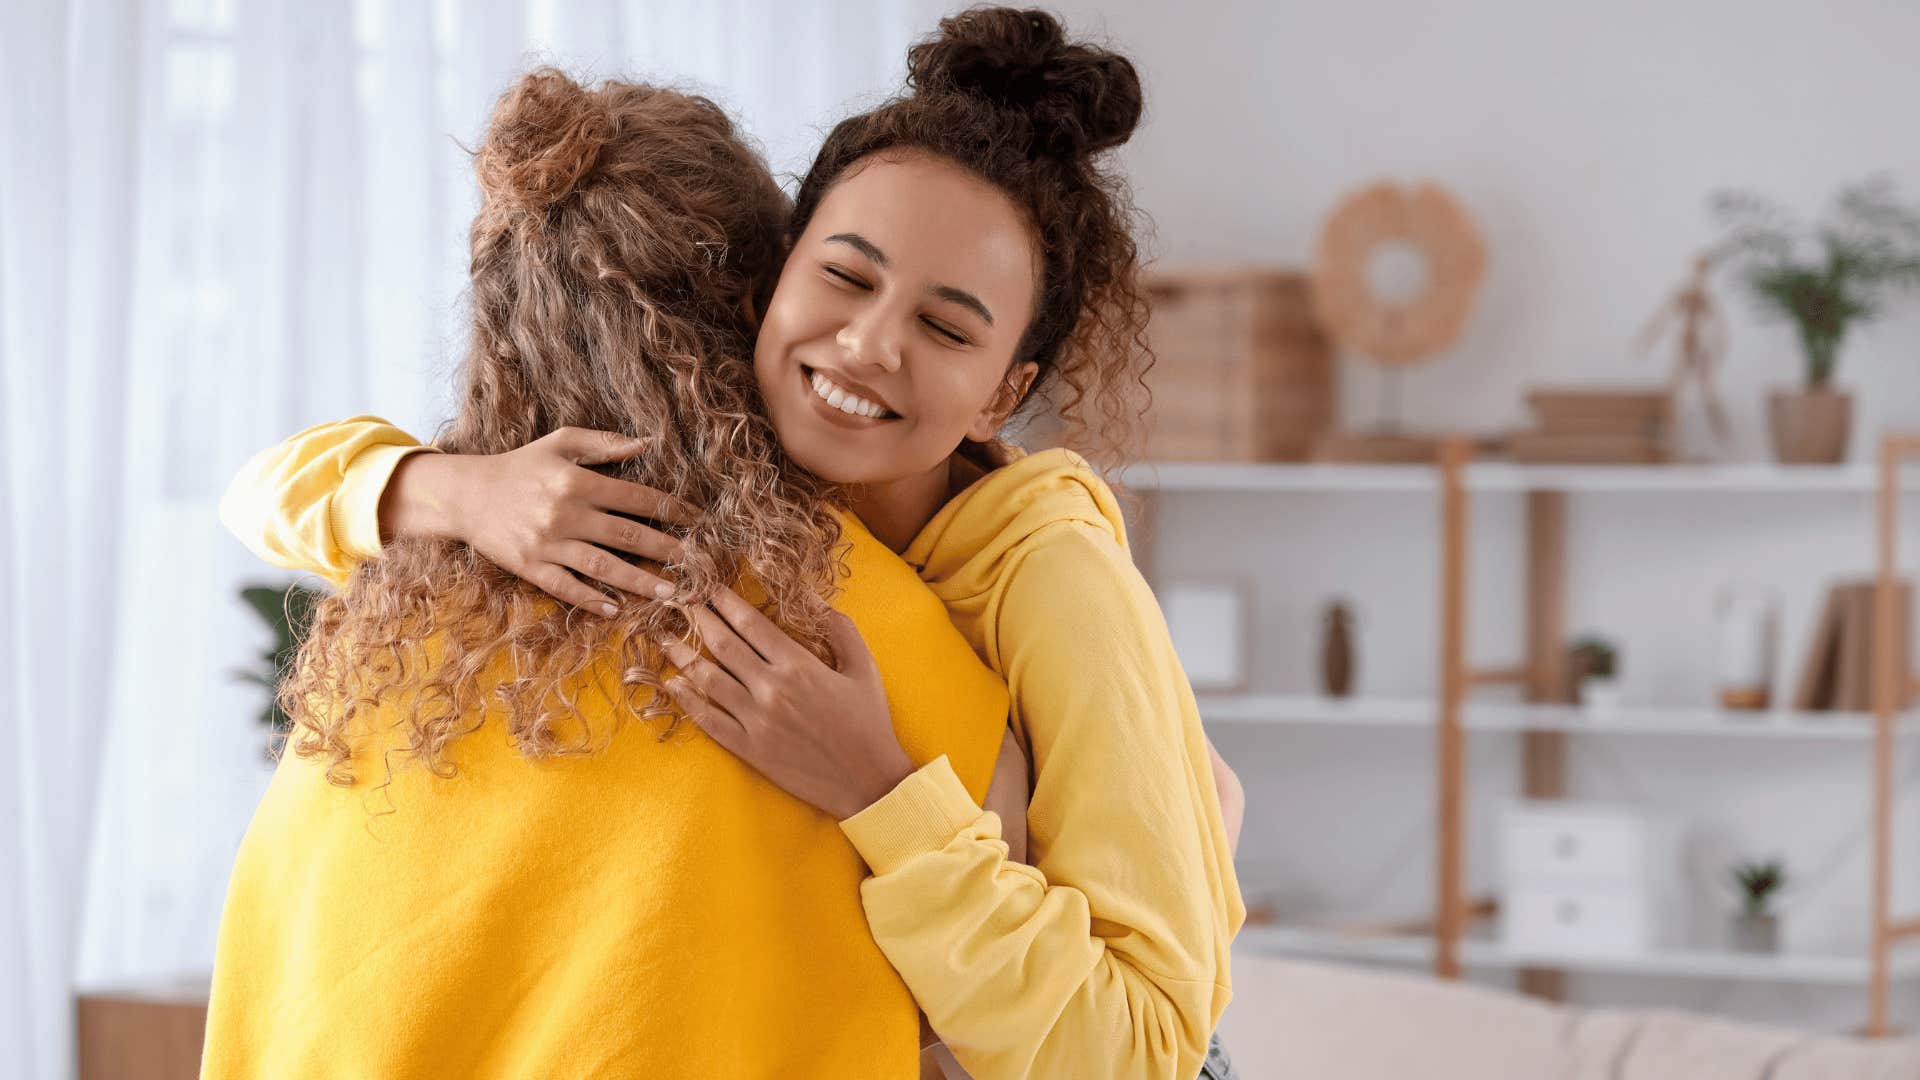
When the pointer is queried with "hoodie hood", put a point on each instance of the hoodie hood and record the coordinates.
(973, 542)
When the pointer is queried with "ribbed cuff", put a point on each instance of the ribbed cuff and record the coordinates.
(921, 814)
(354, 512)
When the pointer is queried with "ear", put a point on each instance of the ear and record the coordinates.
(1006, 397)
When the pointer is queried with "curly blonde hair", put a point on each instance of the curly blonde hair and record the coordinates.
(625, 232)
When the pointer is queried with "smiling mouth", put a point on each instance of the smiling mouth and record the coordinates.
(841, 400)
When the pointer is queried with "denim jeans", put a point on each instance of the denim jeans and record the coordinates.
(1217, 1066)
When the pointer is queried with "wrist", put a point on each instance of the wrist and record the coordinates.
(422, 498)
(882, 781)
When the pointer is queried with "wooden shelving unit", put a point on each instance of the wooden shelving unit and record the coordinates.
(1502, 476)
(1487, 955)
(1417, 715)
(1544, 724)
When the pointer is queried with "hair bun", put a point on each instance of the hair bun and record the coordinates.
(1080, 99)
(545, 135)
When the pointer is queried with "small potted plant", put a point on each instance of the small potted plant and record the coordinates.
(1825, 280)
(287, 610)
(1756, 929)
(1594, 664)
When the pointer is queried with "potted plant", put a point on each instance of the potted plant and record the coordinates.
(1594, 664)
(1755, 928)
(1825, 280)
(287, 610)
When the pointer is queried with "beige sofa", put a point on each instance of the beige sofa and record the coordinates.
(1319, 1022)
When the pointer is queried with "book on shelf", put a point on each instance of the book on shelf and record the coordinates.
(1596, 427)
(1553, 448)
(1837, 671)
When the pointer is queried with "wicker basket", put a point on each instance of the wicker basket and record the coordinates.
(1242, 372)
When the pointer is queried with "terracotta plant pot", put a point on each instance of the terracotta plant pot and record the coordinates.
(1810, 427)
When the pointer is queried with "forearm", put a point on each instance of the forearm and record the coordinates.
(1233, 797)
(419, 499)
(1013, 970)
(311, 502)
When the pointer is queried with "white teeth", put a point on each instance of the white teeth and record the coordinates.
(840, 398)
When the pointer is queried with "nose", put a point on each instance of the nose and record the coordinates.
(869, 339)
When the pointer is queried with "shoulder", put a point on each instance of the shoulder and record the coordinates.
(883, 595)
(1076, 550)
(1075, 582)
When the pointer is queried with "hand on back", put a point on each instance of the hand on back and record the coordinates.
(541, 514)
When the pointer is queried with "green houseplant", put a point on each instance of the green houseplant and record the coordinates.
(1824, 279)
(1755, 927)
(288, 611)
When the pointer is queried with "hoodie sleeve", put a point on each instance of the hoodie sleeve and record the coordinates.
(1109, 956)
(312, 503)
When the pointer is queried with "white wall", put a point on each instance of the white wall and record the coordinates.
(1585, 138)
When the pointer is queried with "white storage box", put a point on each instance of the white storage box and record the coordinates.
(1575, 880)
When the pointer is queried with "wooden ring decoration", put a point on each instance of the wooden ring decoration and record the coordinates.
(1398, 331)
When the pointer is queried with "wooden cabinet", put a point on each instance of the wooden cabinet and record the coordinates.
(142, 1033)
(1242, 372)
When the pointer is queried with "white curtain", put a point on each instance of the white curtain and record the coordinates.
(220, 221)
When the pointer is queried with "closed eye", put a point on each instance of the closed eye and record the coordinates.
(847, 278)
(950, 335)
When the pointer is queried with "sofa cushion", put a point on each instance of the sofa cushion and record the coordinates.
(1322, 1022)
(1850, 1059)
(1325, 1022)
(1687, 1046)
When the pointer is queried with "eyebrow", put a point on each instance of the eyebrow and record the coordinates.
(945, 292)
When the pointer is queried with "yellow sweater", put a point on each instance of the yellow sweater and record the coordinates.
(1109, 956)
(657, 909)
(1118, 936)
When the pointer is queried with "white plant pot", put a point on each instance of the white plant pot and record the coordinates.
(1600, 694)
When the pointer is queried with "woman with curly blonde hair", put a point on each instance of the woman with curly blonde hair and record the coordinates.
(614, 305)
(461, 869)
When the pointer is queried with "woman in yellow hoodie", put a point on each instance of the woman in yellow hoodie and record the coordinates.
(956, 252)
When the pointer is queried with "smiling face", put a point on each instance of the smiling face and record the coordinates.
(892, 332)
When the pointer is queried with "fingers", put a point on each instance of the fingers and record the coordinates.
(719, 725)
(623, 534)
(585, 446)
(713, 683)
(604, 566)
(627, 497)
(850, 652)
(739, 658)
(756, 629)
(553, 579)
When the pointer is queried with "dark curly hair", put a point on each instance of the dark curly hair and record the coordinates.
(621, 232)
(1004, 94)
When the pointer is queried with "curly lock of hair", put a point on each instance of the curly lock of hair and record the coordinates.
(620, 228)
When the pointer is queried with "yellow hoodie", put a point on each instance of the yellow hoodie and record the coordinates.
(657, 909)
(1115, 942)
(1109, 956)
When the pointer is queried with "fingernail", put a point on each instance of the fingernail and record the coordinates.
(609, 610)
(663, 590)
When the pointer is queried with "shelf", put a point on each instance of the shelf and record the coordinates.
(1416, 713)
(1858, 478)
(1187, 476)
(1484, 954)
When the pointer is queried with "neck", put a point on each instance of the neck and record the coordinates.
(895, 511)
